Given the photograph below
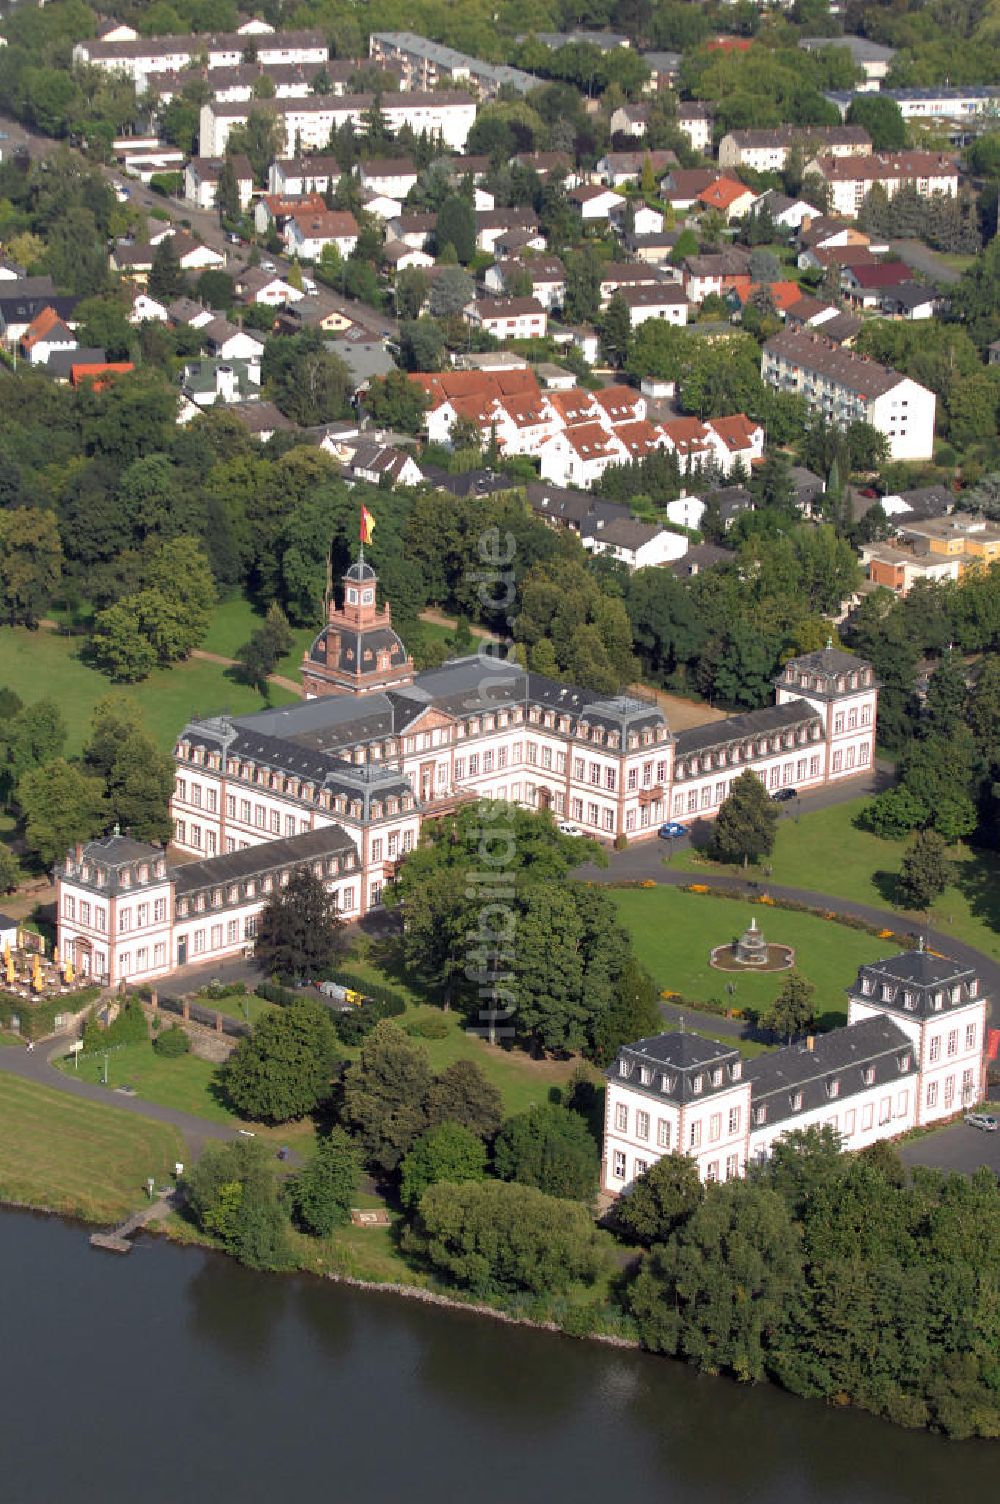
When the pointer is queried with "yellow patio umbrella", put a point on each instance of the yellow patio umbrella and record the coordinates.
(55, 955)
(36, 972)
(37, 981)
(68, 971)
(11, 973)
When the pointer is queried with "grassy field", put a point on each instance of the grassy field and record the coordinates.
(75, 1157)
(232, 624)
(187, 1082)
(37, 663)
(674, 932)
(824, 851)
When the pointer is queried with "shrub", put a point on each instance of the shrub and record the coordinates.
(216, 990)
(172, 1042)
(273, 992)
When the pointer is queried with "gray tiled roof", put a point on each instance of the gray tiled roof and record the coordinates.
(740, 728)
(916, 984)
(799, 1074)
(267, 857)
(678, 1067)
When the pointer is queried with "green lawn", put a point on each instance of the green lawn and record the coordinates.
(37, 663)
(825, 852)
(235, 1007)
(77, 1157)
(187, 1082)
(234, 620)
(674, 932)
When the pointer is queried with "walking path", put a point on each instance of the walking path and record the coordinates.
(36, 1065)
(278, 679)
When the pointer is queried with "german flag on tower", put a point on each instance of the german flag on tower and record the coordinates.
(367, 525)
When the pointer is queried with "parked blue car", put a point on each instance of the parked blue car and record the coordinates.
(671, 830)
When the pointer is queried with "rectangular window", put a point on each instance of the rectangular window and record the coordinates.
(160, 953)
(953, 1042)
(593, 814)
(663, 1133)
(884, 1109)
(932, 1093)
(732, 1166)
(838, 762)
(199, 942)
(196, 795)
(260, 816)
(459, 767)
(773, 777)
(578, 769)
(474, 764)
(694, 1138)
(212, 801)
(595, 772)
(949, 1092)
(159, 910)
(182, 788)
(231, 806)
(714, 1127)
(276, 822)
(642, 1125)
(69, 907)
(180, 831)
(850, 1122)
(734, 1120)
(610, 777)
(245, 811)
(232, 932)
(968, 1086)
(621, 1118)
(970, 1037)
(609, 819)
(141, 915)
(619, 1165)
(100, 917)
(867, 1117)
(712, 1171)
(216, 936)
(935, 1050)
(814, 767)
(377, 849)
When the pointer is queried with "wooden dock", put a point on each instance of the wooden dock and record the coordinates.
(119, 1239)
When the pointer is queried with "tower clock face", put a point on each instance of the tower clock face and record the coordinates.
(368, 597)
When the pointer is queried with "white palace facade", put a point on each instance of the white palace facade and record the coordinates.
(378, 748)
(912, 1054)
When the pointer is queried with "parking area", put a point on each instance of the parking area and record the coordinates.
(957, 1147)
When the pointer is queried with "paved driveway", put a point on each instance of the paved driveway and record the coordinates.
(956, 1147)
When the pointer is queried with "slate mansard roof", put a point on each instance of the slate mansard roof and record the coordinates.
(740, 728)
(115, 864)
(917, 984)
(267, 858)
(787, 1083)
(678, 1068)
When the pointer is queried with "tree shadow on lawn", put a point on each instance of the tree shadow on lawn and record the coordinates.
(978, 881)
(886, 884)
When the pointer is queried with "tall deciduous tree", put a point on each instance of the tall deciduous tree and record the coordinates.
(138, 776)
(324, 1188)
(661, 1200)
(61, 805)
(284, 1069)
(298, 932)
(745, 828)
(447, 1152)
(30, 563)
(385, 1096)
(550, 1148)
(925, 872)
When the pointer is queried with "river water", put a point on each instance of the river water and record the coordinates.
(173, 1376)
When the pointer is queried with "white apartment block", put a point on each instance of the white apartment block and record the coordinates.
(508, 318)
(845, 387)
(912, 1053)
(308, 122)
(143, 56)
(424, 64)
(768, 150)
(852, 178)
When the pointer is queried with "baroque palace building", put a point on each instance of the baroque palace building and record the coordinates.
(913, 1053)
(377, 748)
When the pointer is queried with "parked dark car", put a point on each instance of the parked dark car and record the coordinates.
(782, 796)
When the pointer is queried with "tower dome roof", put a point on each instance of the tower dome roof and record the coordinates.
(359, 570)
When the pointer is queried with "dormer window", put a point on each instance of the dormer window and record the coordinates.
(866, 986)
(956, 994)
(760, 1115)
(909, 1001)
(736, 1070)
(666, 1083)
(796, 1101)
(974, 988)
(868, 1075)
(938, 1001)
(904, 1064)
(886, 993)
(645, 1075)
(697, 1084)
(717, 1076)
(623, 1067)
(833, 1088)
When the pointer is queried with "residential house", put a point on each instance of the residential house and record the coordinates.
(637, 545)
(46, 334)
(262, 420)
(272, 211)
(617, 168)
(141, 57)
(630, 120)
(727, 197)
(513, 243)
(844, 387)
(715, 272)
(147, 310)
(809, 489)
(867, 284)
(596, 204)
(547, 275)
(695, 119)
(266, 289)
(787, 213)
(308, 231)
(415, 230)
(381, 205)
(206, 383)
(682, 185)
(187, 311)
(293, 177)
(898, 566)
(616, 275)
(201, 180)
(383, 464)
(668, 302)
(507, 318)
(398, 257)
(394, 176)
(426, 65)
(226, 341)
(783, 295)
(664, 69)
(910, 300)
(965, 536)
(491, 223)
